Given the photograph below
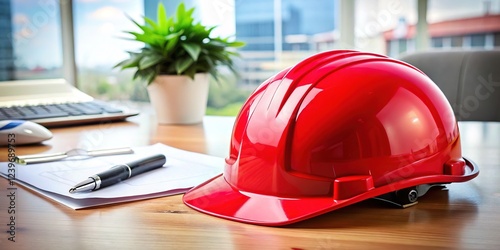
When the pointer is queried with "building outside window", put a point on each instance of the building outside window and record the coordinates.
(456, 41)
(454, 24)
(437, 42)
(30, 40)
(6, 46)
(478, 40)
(100, 44)
(277, 39)
(278, 33)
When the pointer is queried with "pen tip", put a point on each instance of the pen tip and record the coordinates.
(72, 190)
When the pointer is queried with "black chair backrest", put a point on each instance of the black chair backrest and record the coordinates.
(470, 80)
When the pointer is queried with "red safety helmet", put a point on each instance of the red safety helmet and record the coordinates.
(338, 128)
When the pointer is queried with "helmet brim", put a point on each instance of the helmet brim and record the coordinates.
(218, 198)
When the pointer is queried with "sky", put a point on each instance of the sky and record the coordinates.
(99, 30)
(99, 25)
(36, 28)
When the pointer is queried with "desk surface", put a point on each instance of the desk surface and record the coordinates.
(463, 216)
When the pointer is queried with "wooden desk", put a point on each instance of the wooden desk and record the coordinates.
(465, 216)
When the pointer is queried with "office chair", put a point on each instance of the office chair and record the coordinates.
(470, 80)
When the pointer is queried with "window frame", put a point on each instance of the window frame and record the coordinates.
(68, 42)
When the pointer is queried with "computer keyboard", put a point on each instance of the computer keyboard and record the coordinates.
(62, 114)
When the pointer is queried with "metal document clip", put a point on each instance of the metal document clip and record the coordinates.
(74, 153)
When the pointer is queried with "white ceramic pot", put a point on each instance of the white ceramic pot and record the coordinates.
(179, 99)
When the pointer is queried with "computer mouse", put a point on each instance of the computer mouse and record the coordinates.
(18, 132)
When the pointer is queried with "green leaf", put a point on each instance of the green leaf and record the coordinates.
(188, 18)
(148, 61)
(150, 76)
(236, 44)
(192, 49)
(214, 73)
(189, 14)
(182, 64)
(141, 37)
(136, 75)
(181, 12)
(191, 71)
(151, 23)
(162, 19)
(131, 62)
(170, 46)
(169, 69)
(142, 27)
(128, 63)
(209, 30)
(221, 57)
(178, 45)
(172, 40)
(215, 44)
(170, 24)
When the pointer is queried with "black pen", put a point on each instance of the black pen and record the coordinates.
(119, 173)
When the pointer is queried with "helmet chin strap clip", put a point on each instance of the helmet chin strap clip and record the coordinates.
(409, 196)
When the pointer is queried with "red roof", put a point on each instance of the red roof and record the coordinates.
(465, 26)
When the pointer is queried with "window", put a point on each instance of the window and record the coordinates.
(446, 21)
(98, 26)
(496, 38)
(437, 42)
(6, 46)
(278, 34)
(403, 45)
(385, 27)
(98, 32)
(478, 40)
(30, 40)
(456, 41)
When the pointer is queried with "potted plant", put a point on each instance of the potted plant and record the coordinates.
(178, 56)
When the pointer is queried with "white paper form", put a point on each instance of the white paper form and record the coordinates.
(182, 171)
